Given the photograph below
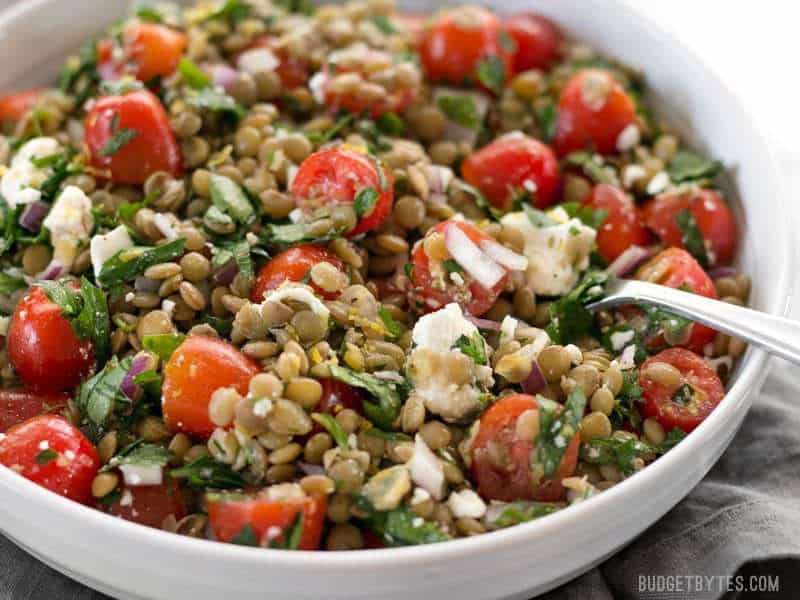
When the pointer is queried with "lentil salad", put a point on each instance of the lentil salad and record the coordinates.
(317, 279)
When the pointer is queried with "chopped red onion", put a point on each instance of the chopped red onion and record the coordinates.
(505, 256)
(472, 259)
(718, 272)
(222, 75)
(141, 363)
(32, 216)
(626, 262)
(485, 324)
(52, 271)
(535, 382)
(143, 284)
(439, 178)
(225, 274)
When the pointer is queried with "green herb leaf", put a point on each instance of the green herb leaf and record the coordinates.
(515, 513)
(683, 395)
(382, 414)
(100, 396)
(451, 266)
(391, 436)
(569, 317)
(557, 428)
(592, 166)
(397, 527)
(120, 87)
(393, 328)
(80, 77)
(163, 344)
(537, 217)
(93, 321)
(127, 264)
(616, 451)
(61, 294)
(233, 11)
(480, 200)
(473, 346)
(10, 284)
(230, 199)
(546, 117)
(46, 456)
(240, 252)
(460, 109)
(119, 138)
(673, 438)
(365, 201)
(205, 472)
(591, 217)
(687, 166)
(292, 535)
(216, 102)
(140, 453)
(332, 426)
(150, 382)
(246, 537)
(383, 23)
(326, 136)
(192, 75)
(221, 326)
(674, 328)
(149, 14)
(293, 233)
(390, 124)
(492, 73)
(61, 168)
(692, 238)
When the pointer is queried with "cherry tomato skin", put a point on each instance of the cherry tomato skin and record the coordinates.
(148, 504)
(477, 299)
(658, 399)
(14, 106)
(153, 147)
(292, 71)
(155, 49)
(537, 39)
(71, 468)
(498, 429)
(293, 264)
(714, 220)
(228, 516)
(507, 164)
(623, 226)
(588, 120)
(336, 396)
(336, 175)
(676, 268)
(20, 405)
(43, 347)
(195, 370)
(455, 43)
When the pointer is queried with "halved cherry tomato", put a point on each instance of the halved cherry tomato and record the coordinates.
(14, 106)
(292, 70)
(675, 268)
(497, 440)
(148, 504)
(592, 112)
(293, 265)
(43, 347)
(680, 406)
(714, 220)
(195, 370)
(336, 176)
(511, 164)
(229, 514)
(148, 143)
(19, 405)
(457, 42)
(432, 286)
(623, 226)
(52, 453)
(537, 38)
(149, 50)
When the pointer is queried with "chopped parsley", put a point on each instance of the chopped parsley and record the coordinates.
(460, 109)
(119, 138)
(492, 73)
(569, 317)
(163, 344)
(546, 117)
(451, 266)
(687, 167)
(332, 426)
(385, 411)
(399, 527)
(393, 328)
(127, 264)
(365, 201)
(206, 472)
(46, 456)
(683, 395)
(193, 75)
(383, 23)
(521, 511)
(557, 427)
(474, 347)
(692, 237)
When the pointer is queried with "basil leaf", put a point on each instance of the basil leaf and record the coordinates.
(474, 347)
(127, 264)
(220, 325)
(230, 199)
(390, 124)
(383, 23)
(460, 109)
(140, 453)
(292, 233)
(149, 14)
(192, 75)
(594, 170)
(246, 537)
(10, 284)
(150, 382)
(691, 237)
(399, 527)
(205, 472)
(99, 397)
(625, 409)
(591, 217)
(615, 451)
(66, 298)
(46, 456)
(387, 409)
(163, 344)
(451, 266)
(673, 438)
(93, 321)
(365, 201)
(61, 168)
(326, 136)
(232, 10)
(240, 252)
(217, 102)
(569, 317)
(537, 217)
(292, 535)
(546, 117)
(521, 511)
(119, 138)
(391, 436)
(393, 328)
(557, 428)
(492, 73)
(687, 166)
(332, 426)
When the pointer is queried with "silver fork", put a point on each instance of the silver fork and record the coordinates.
(776, 335)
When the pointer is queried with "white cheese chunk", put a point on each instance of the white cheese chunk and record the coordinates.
(257, 60)
(426, 469)
(20, 182)
(556, 254)
(70, 222)
(136, 475)
(441, 329)
(103, 247)
(466, 504)
(302, 294)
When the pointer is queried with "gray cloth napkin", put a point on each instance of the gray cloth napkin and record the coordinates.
(740, 526)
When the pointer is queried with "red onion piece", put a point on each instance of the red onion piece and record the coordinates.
(310, 469)
(718, 272)
(143, 284)
(52, 271)
(32, 216)
(504, 256)
(472, 259)
(626, 262)
(225, 274)
(222, 75)
(141, 363)
(485, 324)
(535, 382)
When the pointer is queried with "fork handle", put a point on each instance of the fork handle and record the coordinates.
(777, 335)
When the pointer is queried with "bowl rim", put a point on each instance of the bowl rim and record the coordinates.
(751, 371)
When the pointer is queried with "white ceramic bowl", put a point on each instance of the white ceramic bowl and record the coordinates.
(130, 561)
